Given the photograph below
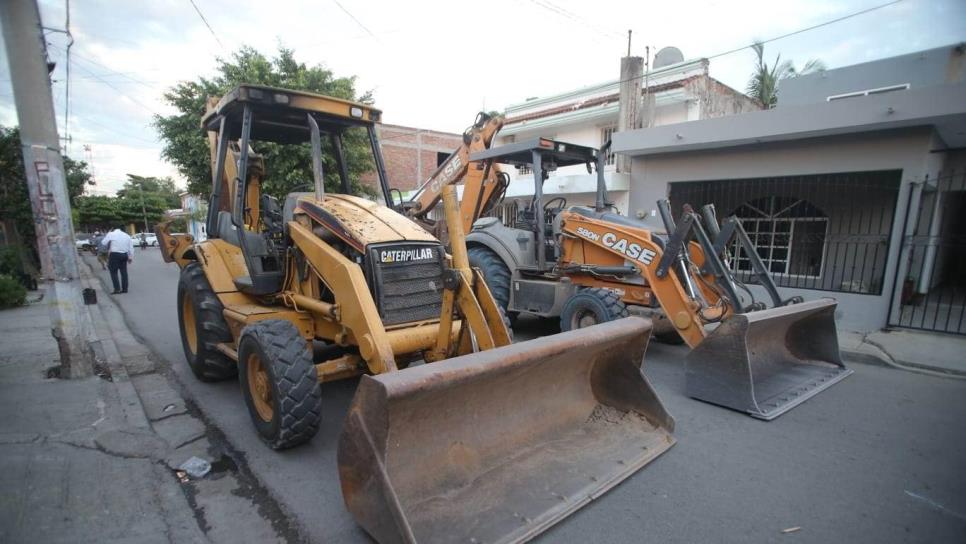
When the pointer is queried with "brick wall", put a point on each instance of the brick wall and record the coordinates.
(410, 154)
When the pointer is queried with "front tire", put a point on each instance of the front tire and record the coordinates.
(203, 327)
(495, 273)
(279, 382)
(589, 307)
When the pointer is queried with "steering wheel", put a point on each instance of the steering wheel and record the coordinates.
(548, 206)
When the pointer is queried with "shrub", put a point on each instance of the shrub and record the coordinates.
(11, 292)
(10, 264)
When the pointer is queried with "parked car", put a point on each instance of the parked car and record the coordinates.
(83, 243)
(149, 238)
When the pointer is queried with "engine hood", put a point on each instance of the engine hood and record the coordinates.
(360, 222)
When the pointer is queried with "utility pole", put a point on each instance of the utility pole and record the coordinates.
(144, 213)
(47, 184)
(629, 116)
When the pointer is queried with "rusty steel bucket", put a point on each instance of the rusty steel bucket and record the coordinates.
(499, 445)
(767, 362)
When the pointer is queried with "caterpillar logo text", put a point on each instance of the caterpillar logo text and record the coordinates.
(405, 255)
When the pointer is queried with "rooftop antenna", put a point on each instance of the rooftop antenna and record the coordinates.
(629, 42)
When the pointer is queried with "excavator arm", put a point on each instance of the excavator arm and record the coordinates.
(482, 185)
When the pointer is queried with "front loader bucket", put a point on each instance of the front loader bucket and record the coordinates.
(499, 445)
(767, 362)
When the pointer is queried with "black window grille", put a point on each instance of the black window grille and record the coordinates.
(828, 232)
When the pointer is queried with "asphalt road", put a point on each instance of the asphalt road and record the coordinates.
(880, 457)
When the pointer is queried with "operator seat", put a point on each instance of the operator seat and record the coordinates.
(265, 273)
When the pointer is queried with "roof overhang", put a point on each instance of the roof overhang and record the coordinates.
(941, 106)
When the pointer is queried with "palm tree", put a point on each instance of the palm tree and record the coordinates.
(763, 84)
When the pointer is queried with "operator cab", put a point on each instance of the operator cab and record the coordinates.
(238, 211)
(542, 156)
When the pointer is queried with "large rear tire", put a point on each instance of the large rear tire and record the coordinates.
(203, 327)
(495, 273)
(589, 307)
(279, 382)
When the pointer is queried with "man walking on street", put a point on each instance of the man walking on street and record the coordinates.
(120, 249)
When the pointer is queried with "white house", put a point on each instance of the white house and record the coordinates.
(680, 91)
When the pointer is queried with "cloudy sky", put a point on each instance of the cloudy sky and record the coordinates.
(432, 63)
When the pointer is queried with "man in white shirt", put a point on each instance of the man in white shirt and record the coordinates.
(120, 249)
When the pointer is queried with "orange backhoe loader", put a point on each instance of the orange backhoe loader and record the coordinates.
(486, 183)
(590, 265)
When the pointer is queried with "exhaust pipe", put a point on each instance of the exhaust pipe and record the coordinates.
(769, 361)
(499, 445)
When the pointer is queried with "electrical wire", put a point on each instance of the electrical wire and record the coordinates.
(783, 36)
(563, 12)
(353, 17)
(205, 21)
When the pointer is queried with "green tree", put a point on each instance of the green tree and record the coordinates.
(288, 167)
(98, 212)
(763, 83)
(146, 198)
(15, 207)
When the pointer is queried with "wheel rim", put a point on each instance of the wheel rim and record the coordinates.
(259, 388)
(583, 319)
(188, 324)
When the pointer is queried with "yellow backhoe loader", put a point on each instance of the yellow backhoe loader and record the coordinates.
(487, 441)
(588, 265)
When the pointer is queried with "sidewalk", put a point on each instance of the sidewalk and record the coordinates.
(932, 353)
(74, 466)
(97, 459)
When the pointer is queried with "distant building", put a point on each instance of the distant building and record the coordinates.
(193, 210)
(412, 154)
(854, 186)
(680, 91)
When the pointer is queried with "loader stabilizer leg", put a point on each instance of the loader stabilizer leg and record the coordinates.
(499, 445)
(767, 362)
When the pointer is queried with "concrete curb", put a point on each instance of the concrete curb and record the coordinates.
(105, 348)
(871, 354)
(161, 407)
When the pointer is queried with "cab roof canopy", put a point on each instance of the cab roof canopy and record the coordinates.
(521, 153)
(279, 115)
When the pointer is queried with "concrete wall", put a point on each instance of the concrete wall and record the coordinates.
(906, 150)
(924, 68)
(716, 99)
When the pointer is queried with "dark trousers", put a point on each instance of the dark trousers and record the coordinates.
(118, 262)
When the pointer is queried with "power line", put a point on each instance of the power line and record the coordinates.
(813, 27)
(567, 13)
(561, 12)
(783, 36)
(100, 77)
(115, 131)
(213, 35)
(353, 17)
(119, 91)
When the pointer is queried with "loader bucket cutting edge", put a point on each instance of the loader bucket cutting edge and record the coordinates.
(767, 362)
(499, 445)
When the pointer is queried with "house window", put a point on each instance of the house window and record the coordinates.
(524, 169)
(606, 134)
(789, 233)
